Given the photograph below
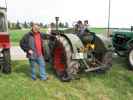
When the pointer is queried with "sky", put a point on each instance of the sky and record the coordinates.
(95, 11)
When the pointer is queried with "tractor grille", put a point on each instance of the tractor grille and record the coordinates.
(1, 56)
(1, 60)
(120, 41)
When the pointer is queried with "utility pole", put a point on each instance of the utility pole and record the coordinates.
(109, 13)
(6, 4)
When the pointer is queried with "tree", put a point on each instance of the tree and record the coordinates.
(31, 23)
(25, 25)
(61, 25)
(53, 24)
(18, 25)
(41, 24)
(13, 25)
(9, 24)
(45, 26)
(66, 25)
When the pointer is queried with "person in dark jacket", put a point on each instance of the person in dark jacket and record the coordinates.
(32, 44)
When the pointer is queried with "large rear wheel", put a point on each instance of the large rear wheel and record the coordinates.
(107, 60)
(65, 67)
(101, 59)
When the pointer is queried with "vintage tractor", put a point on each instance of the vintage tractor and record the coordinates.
(123, 44)
(5, 65)
(70, 53)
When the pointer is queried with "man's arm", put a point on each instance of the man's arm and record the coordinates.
(45, 36)
(24, 43)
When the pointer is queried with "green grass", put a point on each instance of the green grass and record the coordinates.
(116, 84)
(16, 35)
(98, 30)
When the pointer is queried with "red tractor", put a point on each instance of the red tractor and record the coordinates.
(5, 60)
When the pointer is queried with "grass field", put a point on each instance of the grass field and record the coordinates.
(116, 84)
(16, 35)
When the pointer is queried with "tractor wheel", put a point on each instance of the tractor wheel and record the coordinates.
(107, 60)
(130, 58)
(103, 61)
(7, 61)
(65, 67)
(103, 55)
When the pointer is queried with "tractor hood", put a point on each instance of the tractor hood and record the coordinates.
(121, 39)
(127, 33)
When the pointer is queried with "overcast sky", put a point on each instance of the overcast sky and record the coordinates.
(96, 11)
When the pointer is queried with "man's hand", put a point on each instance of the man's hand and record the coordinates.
(30, 51)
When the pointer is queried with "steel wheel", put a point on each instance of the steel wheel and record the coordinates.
(63, 63)
(107, 60)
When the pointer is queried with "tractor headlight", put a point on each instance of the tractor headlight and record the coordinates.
(1, 50)
(1, 54)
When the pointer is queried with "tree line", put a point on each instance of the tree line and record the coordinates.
(25, 25)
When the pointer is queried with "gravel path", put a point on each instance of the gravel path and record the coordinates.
(17, 53)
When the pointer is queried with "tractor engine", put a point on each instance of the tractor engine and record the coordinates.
(122, 41)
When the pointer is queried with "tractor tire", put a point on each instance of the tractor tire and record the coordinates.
(6, 67)
(107, 60)
(130, 58)
(65, 67)
(103, 61)
(102, 55)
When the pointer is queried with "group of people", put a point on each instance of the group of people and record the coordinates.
(81, 27)
(32, 44)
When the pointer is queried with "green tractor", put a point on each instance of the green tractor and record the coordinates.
(122, 41)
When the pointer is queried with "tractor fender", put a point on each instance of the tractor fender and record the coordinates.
(107, 41)
(74, 42)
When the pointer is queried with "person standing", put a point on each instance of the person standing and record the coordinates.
(86, 24)
(32, 44)
(80, 28)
